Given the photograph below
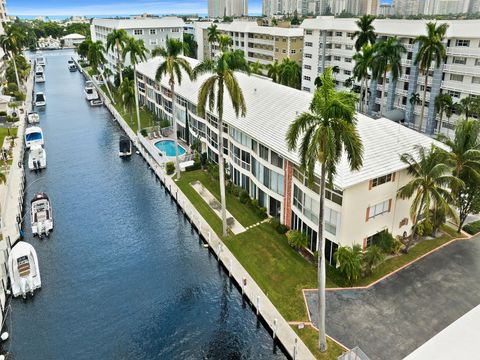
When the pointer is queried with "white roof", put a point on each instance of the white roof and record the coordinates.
(272, 107)
(400, 27)
(164, 22)
(253, 27)
(457, 341)
(73, 36)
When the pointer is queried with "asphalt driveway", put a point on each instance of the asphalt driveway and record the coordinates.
(394, 317)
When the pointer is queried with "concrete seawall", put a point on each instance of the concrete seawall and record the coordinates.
(262, 305)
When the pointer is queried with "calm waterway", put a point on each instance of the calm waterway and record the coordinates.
(124, 276)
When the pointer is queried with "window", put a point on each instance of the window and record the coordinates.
(308, 43)
(308, 56)
(153, 42)
(276, 160)
(459, 60)
(349, 47)
(456, 77)
(308, 78)
(476, 80)
(378, 209)
(337, 58)
(347, 72)
(349, 34)
(381, 180)
(153, 32)
(338, 33)
(308, 32)
(455, 94)
(338, 46)
(477, 62)
(462, 42)
(306, 88)
(348, 60)
(293, 51)
(138, 32)
(175, 30)
(331, 220)
(263, 152)
(284, 51)
(308, 67)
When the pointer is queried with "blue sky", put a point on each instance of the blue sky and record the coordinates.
(113, 7)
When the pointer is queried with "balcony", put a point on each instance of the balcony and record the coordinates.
(464, 51)
(462, 69)
(401, 92)
(462, 87)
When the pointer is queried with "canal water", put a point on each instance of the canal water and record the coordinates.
(124, 276)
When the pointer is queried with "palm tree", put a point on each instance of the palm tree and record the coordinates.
(432, 49)
(363, 65)
(212, 36)
(171, 67)
(117, 39)
(273, 70)
(256, 68)
(137, 52)
(290, 73)
(467, 106)
(224, 42)
(82, 48)
(348, 83)
(464, 153)
(96, 59)
(350, 261)
(222, 77)
(322, 134)
(127, 93)
(415, 99)
(372, 257)
(387, 58)
(431, 179)
(442, 102)
(366, 32)
(11, 42)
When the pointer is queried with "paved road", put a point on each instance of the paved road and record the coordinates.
(391, 319)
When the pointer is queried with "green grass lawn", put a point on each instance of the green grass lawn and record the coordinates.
(4, 133)
(310, 337)
(472, 228)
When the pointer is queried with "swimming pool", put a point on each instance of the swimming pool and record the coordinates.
(168, 147)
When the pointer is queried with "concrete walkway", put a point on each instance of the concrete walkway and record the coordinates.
(215, 205)
(392, 318)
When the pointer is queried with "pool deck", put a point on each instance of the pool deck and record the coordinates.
(153, 141)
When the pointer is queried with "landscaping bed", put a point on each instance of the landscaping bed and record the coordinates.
(472, 228)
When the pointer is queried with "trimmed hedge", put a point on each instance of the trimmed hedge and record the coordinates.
(472, 228)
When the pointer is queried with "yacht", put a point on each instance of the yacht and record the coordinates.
(40, 61)
(40, 99)
(39, 74)
(42, 217)
(96, 102)
(90, 91)
(37, 157)
(33, 135)
(98, 80)
(125, 146)
(72, 68)
(23, 269)
(33, 117)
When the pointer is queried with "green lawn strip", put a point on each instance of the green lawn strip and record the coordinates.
(241, 212)
(310, 337)
(452, 231)
(4, 133)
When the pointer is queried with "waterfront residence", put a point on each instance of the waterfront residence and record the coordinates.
(359, 205)
(153, 31)
(72, 40)
(328, 43)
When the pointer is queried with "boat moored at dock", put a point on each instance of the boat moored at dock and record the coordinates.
(39, 74)
(42, 217)
(37, 157)
(23, 269)
(40, 61)
(96, 102)
(90, 91)
(33, 135)
(40, 99)
(33, 117)
(125, 146)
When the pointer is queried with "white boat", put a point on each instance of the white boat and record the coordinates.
(71, 62)
(96, 102)
(40, 99)
(23, 269)
(98, 80)
(72, 68)
(125, 146)
(37, 157)
(39, 74)
(33, 117)
(42, 217)
(33, 135)
(90, 91)
(40, 61)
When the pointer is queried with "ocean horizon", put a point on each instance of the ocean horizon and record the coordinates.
(63, 17)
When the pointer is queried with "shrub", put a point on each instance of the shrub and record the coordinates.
(164, 123)
(473, 227)
(235, 190)
(397, 246)
(243, 197)
(144, 132)
(19, 96)
(372, 257)
(296, 239)
(203, 159)
(213, 170)
(350, 261)
(12, 118)
(279, 227)
(12, 88)
(170, 167)
(3, 113)
(385, 241)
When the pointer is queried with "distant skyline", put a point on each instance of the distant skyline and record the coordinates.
(113, 7)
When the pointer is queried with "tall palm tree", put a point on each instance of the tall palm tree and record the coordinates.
(415, 99)
(224, 42)
(82, 48)
(273, 70)
(387, 58)
(96, 59)
(442, 102)
(127, 93)
(466, 106)
(11, 42)
(212, 36)
(363, 65)
(256, 68)
(322, 134)
(137, 52)
(432, 49)
(430, 170)
(366, 32)
(222, 78)
(290, 73)
(117, 39)
(464, 152)
(171, 67)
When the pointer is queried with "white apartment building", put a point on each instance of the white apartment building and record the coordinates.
(359, 204)
(328, 43)
(153, 31)
(231, 8)
(318, 7)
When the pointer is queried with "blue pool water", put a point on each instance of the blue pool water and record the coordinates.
(168, 147)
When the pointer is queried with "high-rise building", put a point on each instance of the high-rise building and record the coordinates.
(232, 8)
(328, 43)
